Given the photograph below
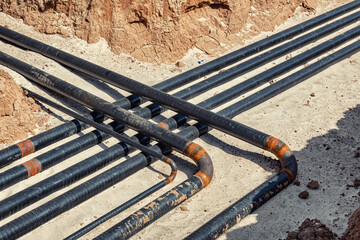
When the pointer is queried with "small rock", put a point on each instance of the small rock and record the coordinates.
(312, 94)
(304, 195)
(297, 182)
(313, 184)
(180, 64)
(183, 208)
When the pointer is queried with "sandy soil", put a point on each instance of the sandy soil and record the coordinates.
(319, 119)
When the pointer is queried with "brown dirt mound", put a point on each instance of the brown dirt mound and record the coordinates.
(19, 115)
(353, 231)
(156, 31)
(312, 230)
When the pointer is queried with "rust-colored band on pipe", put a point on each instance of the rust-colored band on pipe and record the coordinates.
(26, 147)
(285, 156)
(33, 167)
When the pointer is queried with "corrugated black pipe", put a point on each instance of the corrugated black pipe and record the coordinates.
(40, 141)
(246, 205)
(97, 184)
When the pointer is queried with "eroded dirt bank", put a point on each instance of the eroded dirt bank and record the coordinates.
(160, 31)
(19, 115)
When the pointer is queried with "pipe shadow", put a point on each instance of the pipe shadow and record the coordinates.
(100, 85)
(331, 159)
(267, 163)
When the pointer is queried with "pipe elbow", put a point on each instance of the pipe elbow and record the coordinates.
(202, 160)
(285, 156)
(173, 173)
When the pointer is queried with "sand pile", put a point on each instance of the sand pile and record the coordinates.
(19, 115)
(157, 31)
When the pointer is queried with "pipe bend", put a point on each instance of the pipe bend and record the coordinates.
(199, 155)
(285, 156)
(202, 160)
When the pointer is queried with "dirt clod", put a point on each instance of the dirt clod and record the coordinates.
(297, 182)
(304, 195)
(312, 230)
(180, 64)
(313, 184)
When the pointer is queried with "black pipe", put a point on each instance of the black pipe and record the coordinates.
(214, 120)
(96, 125)
(44, 139)
(284, 67)
(30, 145)
(246, 205)
(264, 58)
(40, 141)
(260, 195)
(115, 211)
(271, 73)
(204, 69)
(53, 157)
(66, 177)
(97, 184)
(290, 81)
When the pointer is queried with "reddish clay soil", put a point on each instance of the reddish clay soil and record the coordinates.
(312, 230)
(157, 31)
(353, 231)
(315, 230)
(19, 115)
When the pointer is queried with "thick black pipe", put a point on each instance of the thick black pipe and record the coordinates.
(96, 125)
(44, 139)
(81, 193)
(246, 205)
(270, 74)
(66, 177)
(254, 199)
(53, 157)
(290, 81)
(31, 145)
(204, 69)
(35, 143)
(252, 49)
(260, 60)
(280, 69)
(214, 120)
(245, 133)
